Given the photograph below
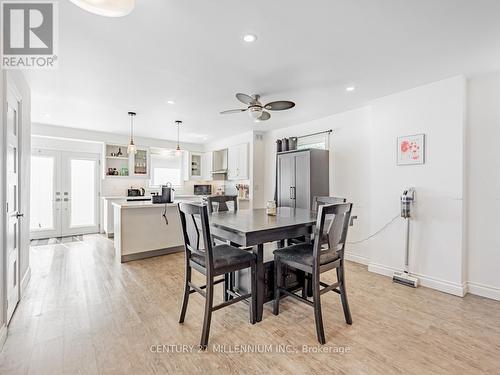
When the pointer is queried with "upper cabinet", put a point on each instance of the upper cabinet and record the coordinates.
(237, 161)
(140, 163)
(117, 163)
(206, 166)
(192, 165)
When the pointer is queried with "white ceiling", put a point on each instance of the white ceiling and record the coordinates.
(191, 51)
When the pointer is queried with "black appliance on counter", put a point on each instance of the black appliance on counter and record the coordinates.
(166, 196)
(202, 189)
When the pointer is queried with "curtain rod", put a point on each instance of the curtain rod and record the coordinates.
(323, 132)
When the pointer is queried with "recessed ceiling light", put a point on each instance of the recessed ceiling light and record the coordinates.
(350, 88)
(170, 102)
(249, 38)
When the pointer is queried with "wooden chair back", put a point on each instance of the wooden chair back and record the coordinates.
(331, 229)
(318, 201)
(196, 231)
(219, 203)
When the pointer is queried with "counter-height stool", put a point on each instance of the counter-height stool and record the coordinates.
(325, 253)
(211, 261)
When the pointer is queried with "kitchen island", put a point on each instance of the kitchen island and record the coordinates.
(141, 231)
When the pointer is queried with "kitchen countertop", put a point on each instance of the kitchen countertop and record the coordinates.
(149, 196)
(143, 204)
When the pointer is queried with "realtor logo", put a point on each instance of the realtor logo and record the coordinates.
(30, 32)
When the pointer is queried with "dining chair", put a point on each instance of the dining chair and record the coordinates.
(318, 201)
(223, 203)
(219, 203)
(325, 253)
(211, 261)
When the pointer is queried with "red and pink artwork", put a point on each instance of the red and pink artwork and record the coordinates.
(411, 149)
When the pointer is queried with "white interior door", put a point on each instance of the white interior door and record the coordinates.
(12, 203)
(45, 201)
(80, 198)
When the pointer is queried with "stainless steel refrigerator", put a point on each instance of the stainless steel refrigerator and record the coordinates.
(302, 175)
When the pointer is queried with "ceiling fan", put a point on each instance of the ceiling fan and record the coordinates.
(256, 109)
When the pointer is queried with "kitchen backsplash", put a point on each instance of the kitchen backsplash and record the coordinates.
(118, 186)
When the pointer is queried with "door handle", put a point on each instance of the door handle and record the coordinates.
(18, 215)
(291, 192)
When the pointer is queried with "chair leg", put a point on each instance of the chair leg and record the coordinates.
(304, 286)
(253, 300)
(317, 308)
(277, 285)
(187, 288)
(208, 312)
(343, 294)
(226, 286)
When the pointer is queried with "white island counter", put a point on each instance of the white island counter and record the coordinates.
(141, 231)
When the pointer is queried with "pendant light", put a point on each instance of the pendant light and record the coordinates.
(132, 148)
(178, 151)
(107, 8)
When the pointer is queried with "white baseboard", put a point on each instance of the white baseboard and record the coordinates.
(3, 336)
(484, 290)
(356, 258)
(429, 282)
(26, 279)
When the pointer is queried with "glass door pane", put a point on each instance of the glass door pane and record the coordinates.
(82, 194)
(42, 193)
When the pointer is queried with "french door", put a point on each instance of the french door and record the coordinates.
(64, 193)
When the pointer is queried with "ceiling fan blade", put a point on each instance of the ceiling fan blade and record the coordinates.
(232, 111)
(280, 105)
(245, 99)
(264, 116)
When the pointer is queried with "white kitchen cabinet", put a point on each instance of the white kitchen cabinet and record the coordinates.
(139, 163)
(237, 162)
(192, 165)
(206, 166)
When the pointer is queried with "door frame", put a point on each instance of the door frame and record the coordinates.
(10, 87)
(61, 156)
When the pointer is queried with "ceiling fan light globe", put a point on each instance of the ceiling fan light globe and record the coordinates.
(255, 112)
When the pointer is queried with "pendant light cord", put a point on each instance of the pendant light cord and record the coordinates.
(132, 127)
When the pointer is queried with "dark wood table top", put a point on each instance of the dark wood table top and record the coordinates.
(256, 220)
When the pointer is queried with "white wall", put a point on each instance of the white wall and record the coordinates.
(483, 185)
(349, 165)
(363, 170)
(436, 256)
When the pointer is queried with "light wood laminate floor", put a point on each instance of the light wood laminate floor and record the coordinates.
(85, 313)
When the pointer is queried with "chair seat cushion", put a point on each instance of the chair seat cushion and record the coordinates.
(225, 256)
(303, 254)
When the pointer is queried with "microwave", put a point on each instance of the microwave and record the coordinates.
(202, 189)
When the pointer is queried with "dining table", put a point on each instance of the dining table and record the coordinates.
(254, 228)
